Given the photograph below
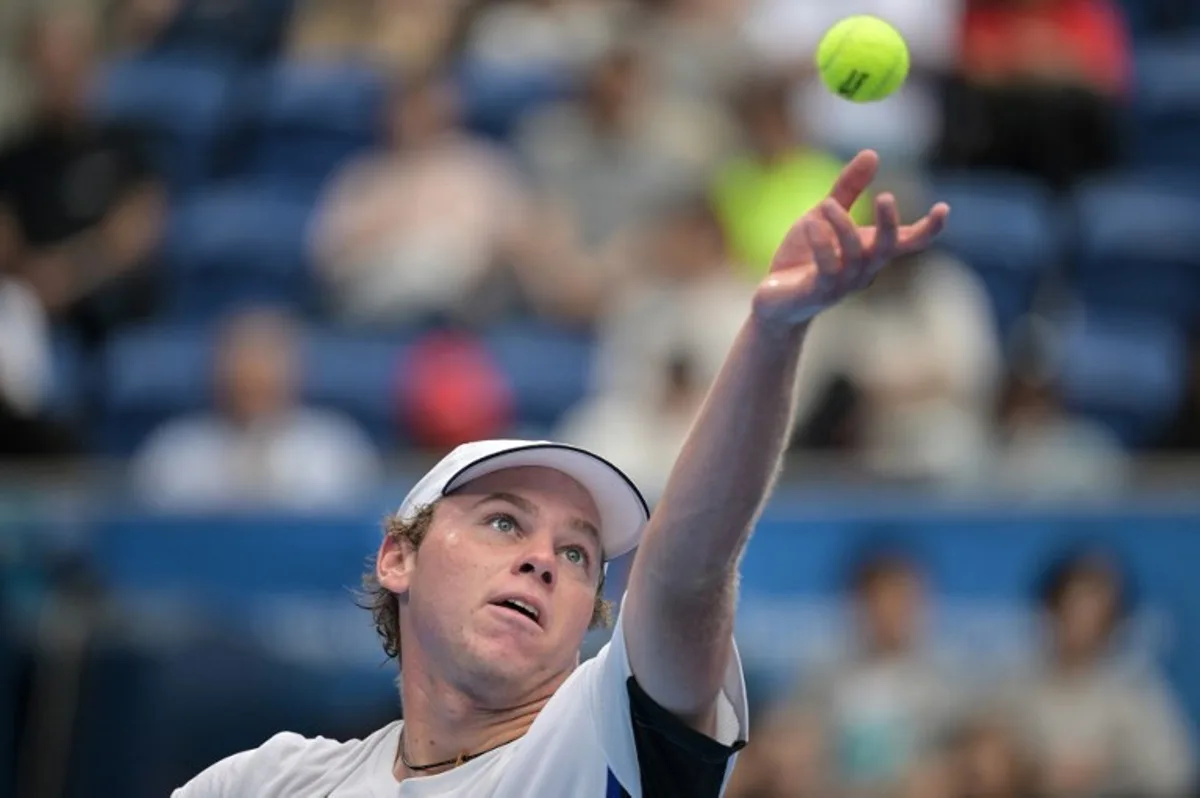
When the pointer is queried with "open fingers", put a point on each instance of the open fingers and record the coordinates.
(855, 178)
(824, 253)
(844, 228)
(917, 236)
(887, 228)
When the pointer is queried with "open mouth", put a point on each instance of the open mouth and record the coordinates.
(516, 605)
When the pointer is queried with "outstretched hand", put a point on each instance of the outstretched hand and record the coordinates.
(825, 256)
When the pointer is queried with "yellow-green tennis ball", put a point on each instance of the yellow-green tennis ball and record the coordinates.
(862, 59)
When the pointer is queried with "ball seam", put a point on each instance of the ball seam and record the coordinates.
(824, 65)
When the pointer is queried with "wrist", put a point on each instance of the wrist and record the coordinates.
(785, 334)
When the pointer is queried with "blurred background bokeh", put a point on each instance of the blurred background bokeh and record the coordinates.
(261, 261)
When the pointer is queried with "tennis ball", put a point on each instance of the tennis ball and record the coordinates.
(862, 59)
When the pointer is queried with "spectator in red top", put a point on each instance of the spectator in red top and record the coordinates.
(1038, 88)
(1066, 42)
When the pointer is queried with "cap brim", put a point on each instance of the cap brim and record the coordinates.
(623, 510)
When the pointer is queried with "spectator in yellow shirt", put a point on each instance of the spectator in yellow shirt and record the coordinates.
(760, 193)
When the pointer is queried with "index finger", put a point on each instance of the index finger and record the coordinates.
(855, 178)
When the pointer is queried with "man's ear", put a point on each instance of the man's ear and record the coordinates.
(395, 562)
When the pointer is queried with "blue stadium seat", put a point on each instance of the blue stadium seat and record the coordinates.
(1139, 248)
(548, 370)
(1166, 105)
(155, 373)
(299, 122)
(148, 376)
(1125, 371)
(219, 563)
(70, 385)
(495, 99)
(358, 375)
(180, 104)
(236, 32)
(236, 245)
(1004, 228)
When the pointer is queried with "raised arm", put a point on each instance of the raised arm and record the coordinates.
(682, 594)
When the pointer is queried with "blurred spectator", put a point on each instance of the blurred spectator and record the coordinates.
(884, 704)
(25, 374)
(642, 435)
(13, 86)
(520, 35)
(905, 127)
(1046, 452)
(1039, 88)
(260, 447)
(988, 762)
(696, 48)
(81, 208)
(413, 232)
(760, 194)
(906, 373)
(787, 760)
(685, 296)
(603, 164)
(451, 392)
(411, 37)
(1099, 727)
(662, 343)
(329, 30)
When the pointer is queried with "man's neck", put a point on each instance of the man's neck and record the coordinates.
(442, 724)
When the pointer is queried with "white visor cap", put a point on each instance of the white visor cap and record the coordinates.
(623, 510)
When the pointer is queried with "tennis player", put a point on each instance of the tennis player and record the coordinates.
(491, 573)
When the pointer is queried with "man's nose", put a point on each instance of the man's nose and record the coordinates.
(540, 562)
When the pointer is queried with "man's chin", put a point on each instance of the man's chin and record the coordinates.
(509, 670)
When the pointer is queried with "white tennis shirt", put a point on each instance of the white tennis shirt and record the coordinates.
(599, 736)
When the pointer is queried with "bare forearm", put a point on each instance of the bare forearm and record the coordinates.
(678, 621)
(728, 463)
(682, 594)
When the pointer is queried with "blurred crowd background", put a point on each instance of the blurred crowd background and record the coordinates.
(261, 260)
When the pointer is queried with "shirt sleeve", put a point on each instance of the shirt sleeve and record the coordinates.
(221, 779)
(649, 750)
(274, 768)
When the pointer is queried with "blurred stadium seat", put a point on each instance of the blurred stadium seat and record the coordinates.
(1165, 123)
(180, 105)
(1104, 355)
(1139, 248)
(298, 122)
(223, 626)
(496, 99)
(236, 32)
(548, 370)
(220, 564)
(149, 375)
(1004, 228)
(359, 376)
(235, 245)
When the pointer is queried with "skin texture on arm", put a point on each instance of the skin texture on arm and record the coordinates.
(682, 592)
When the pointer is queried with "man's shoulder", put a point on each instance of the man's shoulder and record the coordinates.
(286, 764)
(290, 749)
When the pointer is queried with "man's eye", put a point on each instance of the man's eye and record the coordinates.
(503, 523)
(576, 556)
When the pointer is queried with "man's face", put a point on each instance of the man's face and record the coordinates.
(525, 536)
